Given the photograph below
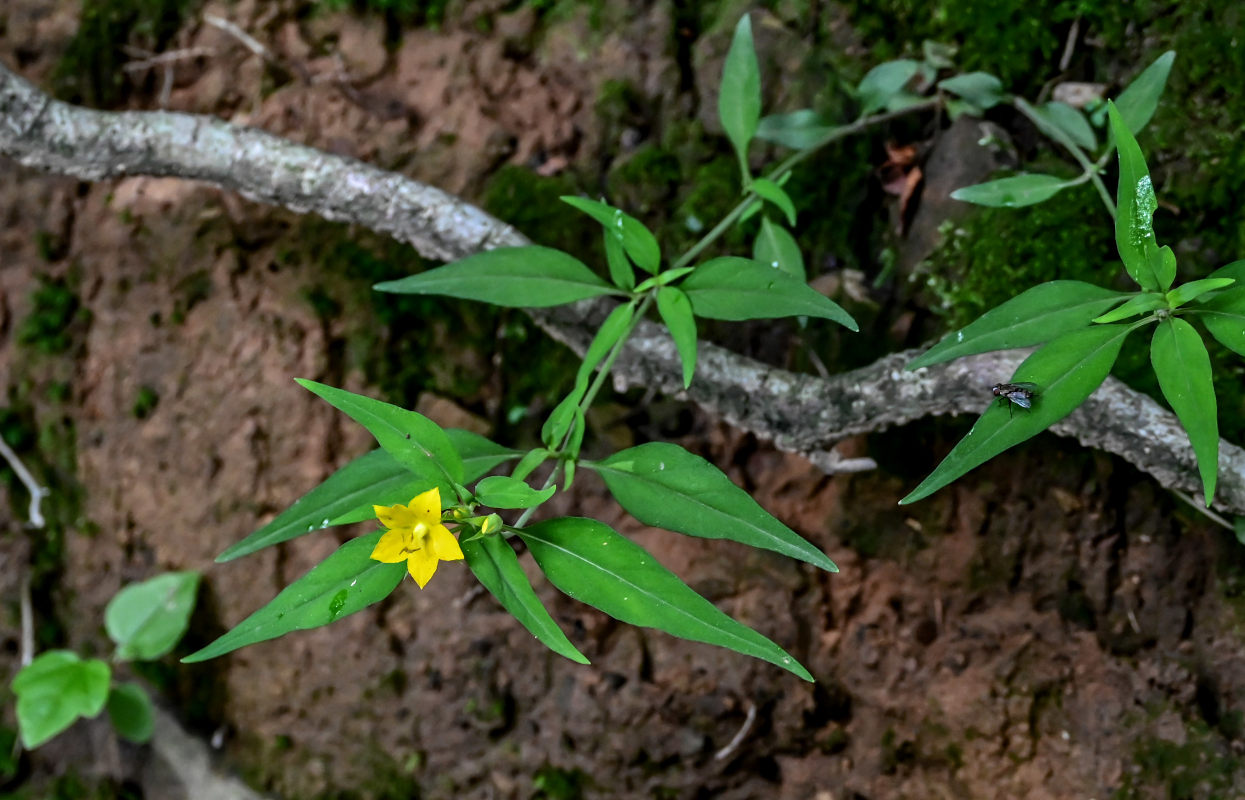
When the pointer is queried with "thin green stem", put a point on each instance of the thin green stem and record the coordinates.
(1072, 147)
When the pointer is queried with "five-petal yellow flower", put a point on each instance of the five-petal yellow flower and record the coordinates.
(416, 536)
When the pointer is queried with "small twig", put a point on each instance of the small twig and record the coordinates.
(468, 596)
(734, 743)
(27, 652)
(249, 41)
(832, 462)
(1209, 512)
(1070, 45)
(169, 57)
(37, 492)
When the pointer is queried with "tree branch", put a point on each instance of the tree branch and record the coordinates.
(799, 413)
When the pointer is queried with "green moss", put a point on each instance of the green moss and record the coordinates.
(554, 783)
(1201, 768)
(530, 203)
(644, 182)
(91, 69)
(145, 402)
(56, 318)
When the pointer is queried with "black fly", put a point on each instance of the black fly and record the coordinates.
(1021, 394)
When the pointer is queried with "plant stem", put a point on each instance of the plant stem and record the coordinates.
(1090, 169)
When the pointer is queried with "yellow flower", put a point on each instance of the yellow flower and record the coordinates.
(416, 536)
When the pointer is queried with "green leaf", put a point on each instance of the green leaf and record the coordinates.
(777, 248)
(54, 690)
(777, 195)
(1068, 369)
(883, 83)
(591, 563)
(732, 288)
(501, 491)
(1034, 316)
(559, 422)
(665, 486)
(1071, 121)
(979, 88)
(1238, 527)
(345, 582)
(620, 269)
(145, 620)
(478, 453)
(1014, 192)
(1192, 290)
(413, 440)
(1140, 304)
(611, 331)
(131, 712)
(1138, 102)
(372, 478)
(514, 277)
(528, 464)
(1134, 217)
(1182, 366)
(1224, 317)
(739, 99)
(676, 312)
(799, 130)
(1234, 270)
(636, 239)
(493, 562)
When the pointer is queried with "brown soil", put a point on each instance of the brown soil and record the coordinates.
(1050, 628)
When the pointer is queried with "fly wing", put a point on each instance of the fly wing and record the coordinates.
(1028, 387)
(1020, 399)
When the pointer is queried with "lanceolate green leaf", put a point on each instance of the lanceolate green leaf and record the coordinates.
(774, 193)
(676, 312)
(1034, 316)
(1071, 121)
(414, 441)
(636, 239)
(493, 562)
(1224, 317)
(1066, 370)
(739, 99)
(1182, 366)
(1138, 304)
(147, 619)
(664, 485)
(591, 563)
(883, 83)
(1138, 102)
(979, 88)
(516, 277)
(797, 129)
(620, 269)
(733, 288)
(503, 491)
(1134, 218)
(1013, 192)
(1192, 290)
(610, 332)
(345, 582)
(777, 248)
(54, 690)
(372, 478)
(479, 454)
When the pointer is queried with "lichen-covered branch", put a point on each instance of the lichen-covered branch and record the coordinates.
(799, 413)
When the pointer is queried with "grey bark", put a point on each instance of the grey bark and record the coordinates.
(798, 413)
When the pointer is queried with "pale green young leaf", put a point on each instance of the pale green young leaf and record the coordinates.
(739, 98)
(620, 269)
(593, 564)
(1071, 121)
(1139, 100)
(636, 239)
(345, 582)
(502, 491)
(883, 83)
(528, 464)
(676, 312)
(1134, 218)
(145, 620)
(514, 277)
(372, 478)
(665, 486)
(774, 193)
(1182, 366)
(981, 89)
(559, 421)
(1187, 292)
(54, 690)
(131, 712)
(493, 561)
(798, 130)
(413, 440)
(1034, 316)
(1139, 304)
(1014, 192)
(732, 288)
(776, 247)
(1066, 370)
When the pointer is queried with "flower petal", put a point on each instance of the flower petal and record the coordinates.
(393, 547)
(444, 544)
(422, 564)
(395, 517)
(426, 508)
